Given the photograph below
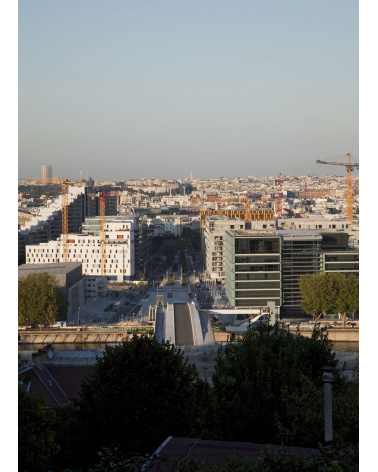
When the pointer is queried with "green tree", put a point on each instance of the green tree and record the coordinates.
(36, 444)
(268, 388)
(347, 299)
(319, 292)
(140, 392)
(309, 288)
(40, 300)
(332, 291)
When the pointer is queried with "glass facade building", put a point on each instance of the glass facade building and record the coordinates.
(253, 268)
(301, 254)
(345, 261)
(264, 266)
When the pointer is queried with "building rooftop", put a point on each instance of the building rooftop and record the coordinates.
(52, 268)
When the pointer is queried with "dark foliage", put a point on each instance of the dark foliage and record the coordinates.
(36, 444)
(140, 393)
(268, 389)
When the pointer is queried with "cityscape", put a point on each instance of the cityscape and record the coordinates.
(195, 262)
(189, 236)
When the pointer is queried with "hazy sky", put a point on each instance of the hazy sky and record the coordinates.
(159, 88)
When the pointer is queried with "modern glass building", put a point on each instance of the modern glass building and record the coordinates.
(253, 268)
(301, 254)
(264, 266)
(346, 262)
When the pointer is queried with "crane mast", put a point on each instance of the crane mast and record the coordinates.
(349, 192)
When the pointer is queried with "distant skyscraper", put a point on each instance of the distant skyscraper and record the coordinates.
(46, 173)
(191, 176)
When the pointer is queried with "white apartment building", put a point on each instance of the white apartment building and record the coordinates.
(86, 249)
(214, 240)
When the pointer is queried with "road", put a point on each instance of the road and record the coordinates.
(183, 325)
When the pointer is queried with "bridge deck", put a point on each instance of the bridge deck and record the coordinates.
(183, 325)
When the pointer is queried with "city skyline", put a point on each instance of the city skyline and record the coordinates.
(159, 90)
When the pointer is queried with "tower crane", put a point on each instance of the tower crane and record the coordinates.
(65, 184)
(349, 193)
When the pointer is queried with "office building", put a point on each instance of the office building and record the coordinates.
(301, 253)
(253, 268)
(266, 266)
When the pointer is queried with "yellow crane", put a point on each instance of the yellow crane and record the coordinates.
(349, 193)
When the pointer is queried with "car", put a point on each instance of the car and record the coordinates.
(133, 303)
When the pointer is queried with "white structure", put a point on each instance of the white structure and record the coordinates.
(214, 235)
(86, 249)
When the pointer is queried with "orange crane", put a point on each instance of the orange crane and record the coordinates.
(349, 193)
(65, 214)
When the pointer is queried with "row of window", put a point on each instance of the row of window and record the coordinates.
(257, 285)
(257, 293)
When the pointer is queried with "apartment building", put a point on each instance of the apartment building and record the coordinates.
(47, 224)
(86, 249)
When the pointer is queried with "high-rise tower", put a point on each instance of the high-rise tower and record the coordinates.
(46, 173)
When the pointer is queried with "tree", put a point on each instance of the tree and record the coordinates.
(348, 296)
(35, 433)
(319, 293)
(332, 291)
(268, 388)
(40, 300)
(140, 392)
(311, 303)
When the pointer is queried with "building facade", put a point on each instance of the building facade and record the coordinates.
(301, 253)
(214, 237)
(47, 224)
(266, 266)
(253, 268)
(86, 249)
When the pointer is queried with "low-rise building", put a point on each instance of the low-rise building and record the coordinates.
(69, 277)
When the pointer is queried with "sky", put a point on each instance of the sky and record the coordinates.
(135, 88)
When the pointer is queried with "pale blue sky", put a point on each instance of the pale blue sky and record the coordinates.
(159, 88)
